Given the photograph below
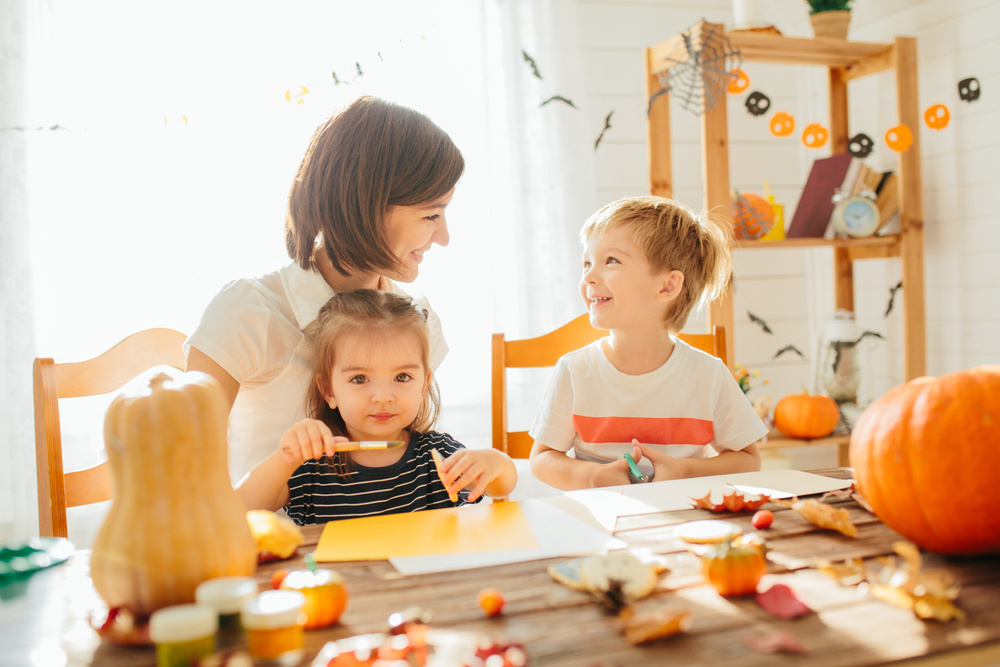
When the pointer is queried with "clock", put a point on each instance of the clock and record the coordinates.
(856, 216)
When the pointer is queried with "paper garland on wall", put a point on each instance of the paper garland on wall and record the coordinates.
(739, 83)
(937, 117)
(757, 103)
(815, 135)
(968, 89)
(860, 145)
(899, 138)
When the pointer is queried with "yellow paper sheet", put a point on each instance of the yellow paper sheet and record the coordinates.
(490, 527)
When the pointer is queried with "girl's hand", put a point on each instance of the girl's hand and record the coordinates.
(664, 465)
(472, 469)
(307, 440)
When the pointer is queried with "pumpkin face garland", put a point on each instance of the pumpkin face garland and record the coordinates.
(937, 117)
(757, 103)
(782, 124)
(926, 457)
(860, 145)
(968, 89)
(815, 135)
(899, 138)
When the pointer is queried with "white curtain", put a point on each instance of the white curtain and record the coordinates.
(158, 141)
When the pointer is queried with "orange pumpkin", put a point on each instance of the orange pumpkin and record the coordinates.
(326, 595)
(937, 117)
(782, 124)
(815, 135)
(734, 568)
(806, 416)
(899, 138)
(926, 457)
(752, 216)
(739, 83)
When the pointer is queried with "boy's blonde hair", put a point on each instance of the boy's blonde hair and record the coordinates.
(673, 238)
(375, 315)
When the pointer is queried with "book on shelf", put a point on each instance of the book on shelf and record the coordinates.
(887, 200)
(838, 172)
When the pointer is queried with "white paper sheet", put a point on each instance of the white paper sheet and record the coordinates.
(559, 533)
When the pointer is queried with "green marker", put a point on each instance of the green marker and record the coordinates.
(633, 468)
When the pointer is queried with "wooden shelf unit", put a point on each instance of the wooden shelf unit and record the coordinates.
(845, 61)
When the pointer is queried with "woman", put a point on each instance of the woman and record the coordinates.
(367, 202)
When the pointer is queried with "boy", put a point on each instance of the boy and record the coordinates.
(647, 261)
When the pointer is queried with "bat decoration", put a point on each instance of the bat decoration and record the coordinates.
(892, 297)
(757, 103)
(652, 98)
(557, 98)
(358, 72)
(758, 321)
(607, 126)
(840, 345)
(860, 145)
(18, 128)
(531, 63)
(788, 348)
(968, 89)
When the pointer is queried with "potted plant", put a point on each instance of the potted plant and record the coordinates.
(830, 18)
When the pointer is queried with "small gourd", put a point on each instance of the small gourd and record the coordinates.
(175, 519)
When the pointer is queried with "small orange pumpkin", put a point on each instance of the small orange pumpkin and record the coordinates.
(782, 124)
(815, 135)
(753, 216)
(937, 117)
(899, 138)
(926, 457)
(806, 416)
(740, 83)
(734, 568)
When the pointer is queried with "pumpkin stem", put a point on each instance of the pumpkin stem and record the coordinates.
(311, 562)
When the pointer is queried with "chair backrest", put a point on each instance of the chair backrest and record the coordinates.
(545, 350)
(103, 374)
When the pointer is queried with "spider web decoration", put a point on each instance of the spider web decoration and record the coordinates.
(698, 74)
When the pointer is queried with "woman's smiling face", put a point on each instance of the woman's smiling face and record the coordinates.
(412, 230)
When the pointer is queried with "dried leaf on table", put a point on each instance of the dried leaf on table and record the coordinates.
(850, 493)
(652, 625)
(772, 642)
(732, 502)
(929, 593)
(781, 601)
(848, 573)
(823, 515)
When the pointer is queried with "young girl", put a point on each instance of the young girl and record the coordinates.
(372, 382)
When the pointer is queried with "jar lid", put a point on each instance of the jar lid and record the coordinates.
(273, 609)
(182, 623)
(226, 594)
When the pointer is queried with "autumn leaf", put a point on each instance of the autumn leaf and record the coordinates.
(781, 601)
(732, 502)
(823, 515)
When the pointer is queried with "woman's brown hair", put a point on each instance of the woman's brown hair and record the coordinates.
(368, 156)
(376, 315)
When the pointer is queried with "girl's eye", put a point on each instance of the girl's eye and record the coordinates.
(434, 217)
(404, 377)
(358, 379)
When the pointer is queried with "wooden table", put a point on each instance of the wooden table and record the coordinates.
(561, 627)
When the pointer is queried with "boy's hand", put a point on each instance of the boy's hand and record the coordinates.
(664, 465)
(614, 473)
(471, 469)
(308, 439)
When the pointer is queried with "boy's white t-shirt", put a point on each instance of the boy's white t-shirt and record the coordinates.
(253, 329)
(690, 402)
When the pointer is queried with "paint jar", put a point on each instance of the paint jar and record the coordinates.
(183, 634)
(227, 595)
(275, 627)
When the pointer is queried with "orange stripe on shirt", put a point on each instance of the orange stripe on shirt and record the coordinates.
(649, 430)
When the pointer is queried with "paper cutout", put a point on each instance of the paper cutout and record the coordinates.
(450, 530)
(175, 120)
(815, 135)
(969, 90)
(937, 116)
(757, 103)
(782, 124)
(299, 94)
(739, 83)
(899, 138)
(860, 145)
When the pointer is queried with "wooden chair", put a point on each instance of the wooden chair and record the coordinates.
(545, 350)
(103, 374)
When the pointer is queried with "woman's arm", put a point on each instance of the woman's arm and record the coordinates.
(556, 468)
(199, 361)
